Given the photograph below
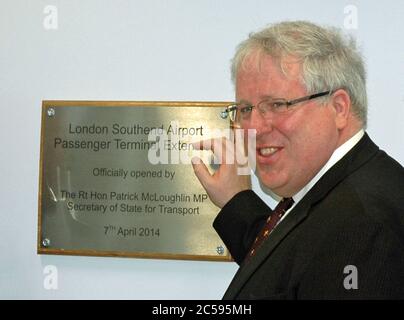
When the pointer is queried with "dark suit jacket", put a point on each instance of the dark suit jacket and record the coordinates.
(353, 216)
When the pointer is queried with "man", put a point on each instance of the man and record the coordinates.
(340, 231)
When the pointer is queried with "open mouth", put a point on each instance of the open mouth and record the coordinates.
(267, 151)
(268, 155)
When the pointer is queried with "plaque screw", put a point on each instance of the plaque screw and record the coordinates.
(51, 112)
(45, 242)
(220, 250)
(223, 114)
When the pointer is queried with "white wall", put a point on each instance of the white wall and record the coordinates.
(148, 50)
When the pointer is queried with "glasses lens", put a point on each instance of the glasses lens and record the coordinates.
(273, 105)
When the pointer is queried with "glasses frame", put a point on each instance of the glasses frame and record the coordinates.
(226, 113)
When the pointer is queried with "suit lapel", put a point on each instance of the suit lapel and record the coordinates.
(247, 268)
(355, 158)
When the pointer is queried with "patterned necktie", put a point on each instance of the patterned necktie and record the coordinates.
(283, 206)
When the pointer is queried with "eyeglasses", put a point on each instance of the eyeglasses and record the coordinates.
(240, 113)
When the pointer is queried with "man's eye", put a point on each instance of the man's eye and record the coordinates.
(245, 109)
(278, 104)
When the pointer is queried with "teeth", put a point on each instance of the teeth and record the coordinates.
(267, 151)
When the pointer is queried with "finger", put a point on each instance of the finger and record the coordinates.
(201, 171)
(241, 143)
(203, 144)
(221, 147)
(213, 144)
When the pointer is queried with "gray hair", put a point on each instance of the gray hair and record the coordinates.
(329, 59)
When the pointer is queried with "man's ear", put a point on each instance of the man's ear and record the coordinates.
(341, 102)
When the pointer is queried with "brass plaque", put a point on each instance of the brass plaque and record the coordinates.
(116, 180)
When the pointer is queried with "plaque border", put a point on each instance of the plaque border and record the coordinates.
(104, 253)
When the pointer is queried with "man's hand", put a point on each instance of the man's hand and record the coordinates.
(227, 181)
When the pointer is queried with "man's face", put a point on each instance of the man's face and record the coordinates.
(293, 146)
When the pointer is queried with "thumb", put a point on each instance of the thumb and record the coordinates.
(201, 171)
